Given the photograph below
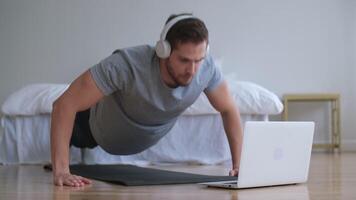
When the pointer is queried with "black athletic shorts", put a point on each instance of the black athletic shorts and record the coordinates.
(81, 135)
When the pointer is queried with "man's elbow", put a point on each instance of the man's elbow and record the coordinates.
(229, 110)
(61, 104)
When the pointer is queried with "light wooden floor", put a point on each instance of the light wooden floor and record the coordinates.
(332, 176)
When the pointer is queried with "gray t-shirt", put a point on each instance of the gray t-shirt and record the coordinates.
(139, 108)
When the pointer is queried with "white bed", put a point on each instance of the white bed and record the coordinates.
(197, 137)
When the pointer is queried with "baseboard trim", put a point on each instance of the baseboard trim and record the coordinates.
(348, 146)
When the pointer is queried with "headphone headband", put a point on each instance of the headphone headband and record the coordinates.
(171, 23)
(163, 48)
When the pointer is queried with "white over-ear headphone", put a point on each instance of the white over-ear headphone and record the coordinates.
(163, 48)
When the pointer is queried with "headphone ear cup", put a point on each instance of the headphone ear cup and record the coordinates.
(163, 49)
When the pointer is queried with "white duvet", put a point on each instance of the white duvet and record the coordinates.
(249, 97)
(26, 125)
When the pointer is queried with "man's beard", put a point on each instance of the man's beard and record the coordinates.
(175, 78)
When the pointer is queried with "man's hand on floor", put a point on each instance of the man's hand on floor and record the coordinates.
(67, 179)
(234, 172)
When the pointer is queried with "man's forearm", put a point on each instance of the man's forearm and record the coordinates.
(61, 130)
(233, 129)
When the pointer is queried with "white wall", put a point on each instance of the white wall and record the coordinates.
(286, 46)
(353, 86)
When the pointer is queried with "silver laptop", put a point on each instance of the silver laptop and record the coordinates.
(273, 153)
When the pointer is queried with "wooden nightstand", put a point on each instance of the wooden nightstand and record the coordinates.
(334, 99)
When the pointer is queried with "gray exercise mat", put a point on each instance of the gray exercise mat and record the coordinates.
(131, 175)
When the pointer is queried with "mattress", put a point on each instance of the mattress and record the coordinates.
(194, 139)
(26, 140)
(197, 137)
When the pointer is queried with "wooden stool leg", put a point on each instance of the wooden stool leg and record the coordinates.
(285, 110)
(333, 125)
(336, 124)
(338, 131)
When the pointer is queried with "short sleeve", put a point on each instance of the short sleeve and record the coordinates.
(111, 74)
(215, 79)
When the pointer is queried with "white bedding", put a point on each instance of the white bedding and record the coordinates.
(26, 141)
(197, 137)
(250, 98)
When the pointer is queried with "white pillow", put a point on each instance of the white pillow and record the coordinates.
(33, 99)
(249, 97)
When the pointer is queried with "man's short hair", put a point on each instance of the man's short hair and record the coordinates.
(187, 30)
